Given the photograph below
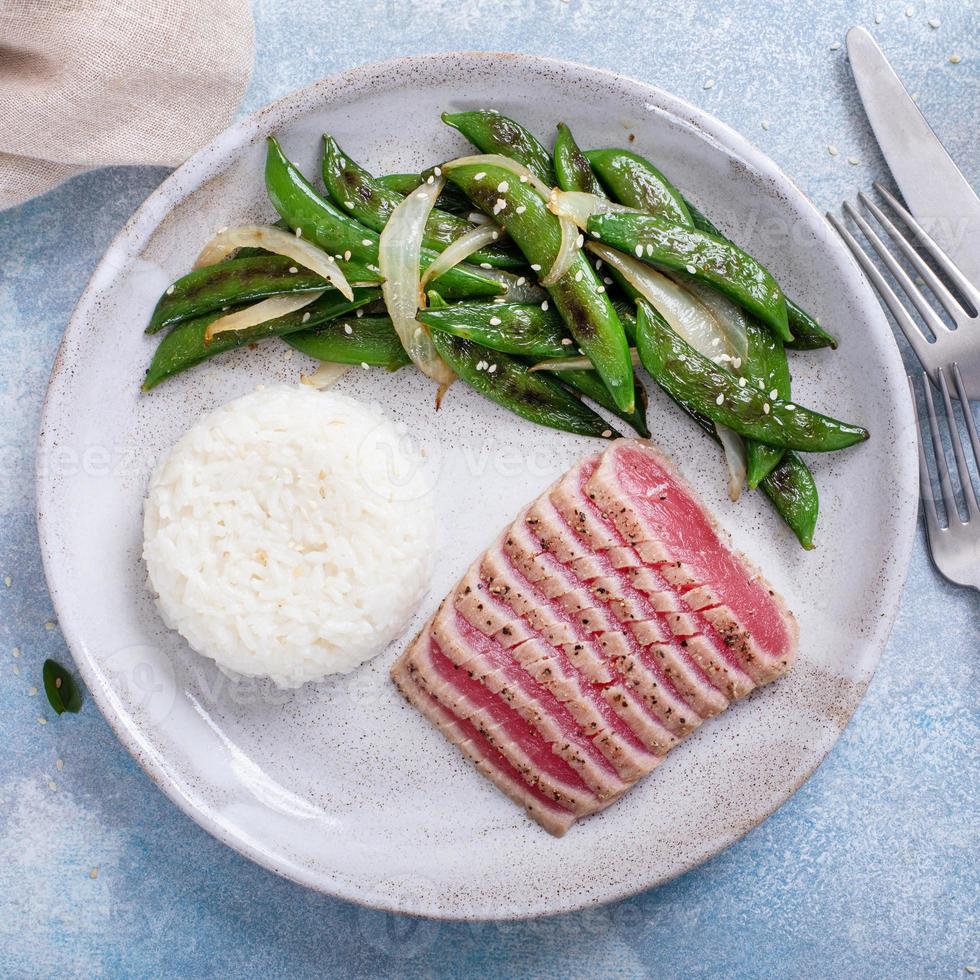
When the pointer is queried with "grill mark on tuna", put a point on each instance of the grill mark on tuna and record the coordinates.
(641, 674)
(493, 666)
(487, 759)
(554, 668)
(502, 727)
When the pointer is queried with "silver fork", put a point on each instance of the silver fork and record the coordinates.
(956, 547)
(961, 345)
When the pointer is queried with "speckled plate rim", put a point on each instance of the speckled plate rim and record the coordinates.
(186, 179)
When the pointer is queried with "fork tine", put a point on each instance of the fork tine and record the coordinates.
(945, 484)
(909, 327)
(948, 267)
(948, 300)
(966, 481)
(925, 481)
(932, 319)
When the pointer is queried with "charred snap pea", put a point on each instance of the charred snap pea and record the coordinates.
(790, 488)
(490, 132)
(184, 346)
(535, 396)
(303, 209)
(765, 367)
(637, 183)
(371, 203)
(242, 280)
(578, 295)
(807, 333)
(369, 340)
(572, 168)
(512, 328)
(712, 260)
(699, 383)
(590, 384)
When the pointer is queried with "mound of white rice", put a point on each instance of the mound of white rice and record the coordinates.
(289, 534)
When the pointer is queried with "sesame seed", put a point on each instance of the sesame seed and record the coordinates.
(170, 290)
(595, 234)
(742, 382)
(598, 264)
(350, 204)
(430, 179)
(49, 625)
(639, 251)
(41, 720)
(710, 83)
(649, 249)
(491, 369)
(720, 400)
(348, 329)
(606, 433)
(790, 407)
(954, 59)
(691, 270)
(600, 289)
(934, 22)
(909, 11)
(578, 276)
(365, 241)
(347, 256)
(580, 241)
(835, 46)
(496, 235)
(298, 232)
(360, 312)
(879, 18)
(437, 171)
(765, 407)
(501, 205)
(495, 321)
(365, 365)
(832, 150)
(544, 305)
(607, 280)
(293, 269)
(8, 581)
(503, 187)
(480, 175)
(566, 342)
(774, 394)
(485, 265)
(853, 161)
(520, 209)
(15, 652)
(736, 362)
(306, 317)
(535, 267)
(523, 178)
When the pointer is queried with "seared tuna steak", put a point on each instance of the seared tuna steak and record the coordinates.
(601, 628)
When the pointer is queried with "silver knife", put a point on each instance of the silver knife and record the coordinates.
(932, 185)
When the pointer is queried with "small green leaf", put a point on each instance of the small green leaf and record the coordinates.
(60, 687)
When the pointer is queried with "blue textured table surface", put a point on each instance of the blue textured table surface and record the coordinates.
(871, 869)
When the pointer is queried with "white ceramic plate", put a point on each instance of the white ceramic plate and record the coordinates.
(341, 786)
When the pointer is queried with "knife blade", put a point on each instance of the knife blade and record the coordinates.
(935, 191)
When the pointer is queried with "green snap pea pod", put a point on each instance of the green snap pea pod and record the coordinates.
(765, 367)
(242, 280)
(302, 207)
(369, 201)
(512, 328)
(572, 168)
(634, 181)
(712, 260)
(490, 132)
(807, 333)
(590, 384)
(362, 340)
(578, 295)
(451, 199)
(790, 488)
(698, 383)
(184, 346)
(507, 381)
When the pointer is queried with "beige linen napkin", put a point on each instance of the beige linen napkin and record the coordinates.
(88, 83)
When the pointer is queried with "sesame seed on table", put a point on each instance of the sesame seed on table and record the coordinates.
(869, 870)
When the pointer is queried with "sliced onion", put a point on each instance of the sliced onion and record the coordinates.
(281, 242)
(685, 313)
(269, 309)
(325, 375)
(505, 163)
(735, 459)
(399, 250)
(464, 246)
(731, 318)
(567, 252)
(574, 363)
(579, 206)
